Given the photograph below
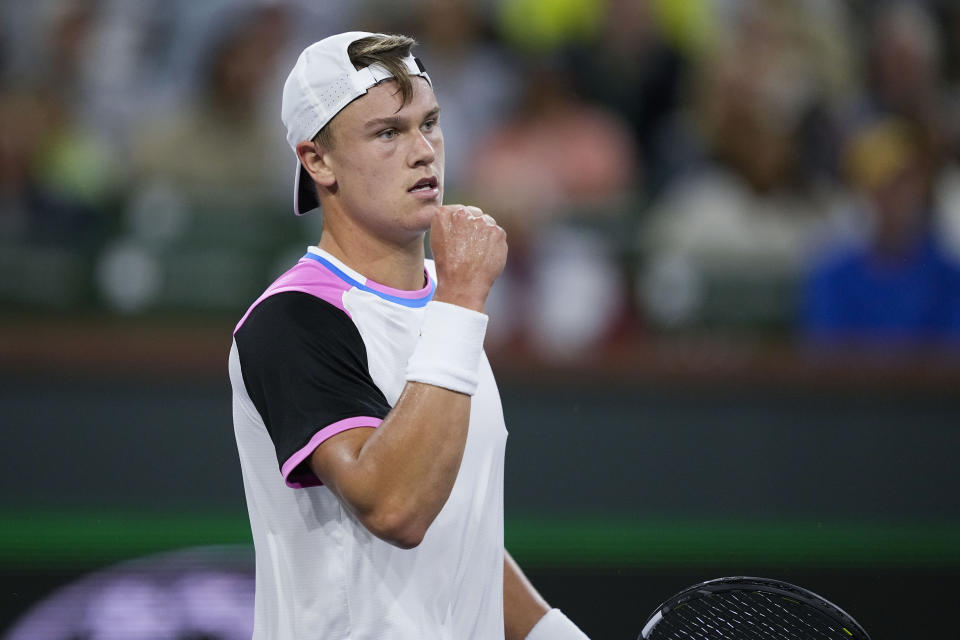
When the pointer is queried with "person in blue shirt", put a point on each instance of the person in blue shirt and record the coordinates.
(897, 285)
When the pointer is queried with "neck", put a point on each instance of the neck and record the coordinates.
(895, 244)
(389, 264)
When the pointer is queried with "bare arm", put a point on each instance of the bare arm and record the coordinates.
(522, 605)
(396, 478)
(526, 615)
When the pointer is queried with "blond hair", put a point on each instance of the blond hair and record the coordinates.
(387, 51)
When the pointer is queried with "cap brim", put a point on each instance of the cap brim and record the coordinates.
(304, 192)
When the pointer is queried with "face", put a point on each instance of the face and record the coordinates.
(900, 205)
(388, 164)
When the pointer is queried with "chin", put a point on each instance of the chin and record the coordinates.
(424, 213)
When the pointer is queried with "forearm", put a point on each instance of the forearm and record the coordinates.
(526, 615)
(404, 471)
(397, 479)
(522, 605)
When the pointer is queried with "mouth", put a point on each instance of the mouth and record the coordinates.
(425, 187)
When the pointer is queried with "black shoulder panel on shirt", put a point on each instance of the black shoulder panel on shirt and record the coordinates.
(304, 366)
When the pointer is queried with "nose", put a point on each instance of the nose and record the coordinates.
(422, 151)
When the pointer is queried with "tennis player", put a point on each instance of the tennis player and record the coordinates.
(367, 419)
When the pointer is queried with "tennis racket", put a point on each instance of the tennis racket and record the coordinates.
(742, 608)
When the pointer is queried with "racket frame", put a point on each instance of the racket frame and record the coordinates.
(766, 585)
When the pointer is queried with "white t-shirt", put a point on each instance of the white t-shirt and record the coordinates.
(321, 351)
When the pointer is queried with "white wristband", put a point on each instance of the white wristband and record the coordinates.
(556, 626)
(450, 346)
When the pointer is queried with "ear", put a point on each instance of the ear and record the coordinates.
(315, 160)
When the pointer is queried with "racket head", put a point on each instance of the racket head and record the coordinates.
(744, 607)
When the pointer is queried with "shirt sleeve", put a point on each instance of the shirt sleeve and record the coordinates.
(305, 368)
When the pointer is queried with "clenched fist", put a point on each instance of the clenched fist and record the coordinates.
(470, 250)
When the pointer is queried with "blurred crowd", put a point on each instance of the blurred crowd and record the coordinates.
(761, 167)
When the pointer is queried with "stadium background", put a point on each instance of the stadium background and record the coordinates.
(671, 174)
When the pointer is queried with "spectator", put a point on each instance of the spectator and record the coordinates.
(896, 285)
(904, 67)
(557, 159)
(213, 150)
(633, 69)
(58, 182)
(56, 175)
(202, 195)
(723, 244)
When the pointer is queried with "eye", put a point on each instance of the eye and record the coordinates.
(430, 125)
(387, 134)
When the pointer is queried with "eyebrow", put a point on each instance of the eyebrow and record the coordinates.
(397, 121)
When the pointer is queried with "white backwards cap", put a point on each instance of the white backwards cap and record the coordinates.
(320, 85)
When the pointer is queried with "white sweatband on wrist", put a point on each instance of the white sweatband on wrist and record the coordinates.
(556, 626)
(448, 352)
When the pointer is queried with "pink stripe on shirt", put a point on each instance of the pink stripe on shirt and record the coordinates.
(308, 479)
(306, 276)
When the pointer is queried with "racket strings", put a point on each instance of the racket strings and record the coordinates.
(713, 623)
(795, 625)
(744, 615)
(702, 622)
(749, 618)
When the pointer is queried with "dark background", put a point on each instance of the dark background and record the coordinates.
(620, 489)
(671, 175)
